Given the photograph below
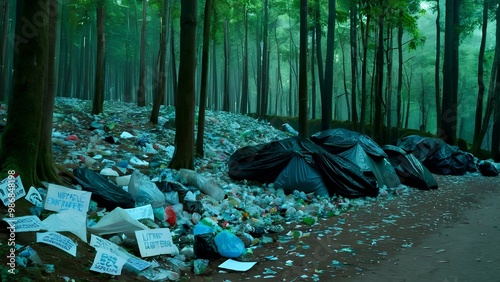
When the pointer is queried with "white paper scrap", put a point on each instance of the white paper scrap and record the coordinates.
(235, 265)
(107, 262)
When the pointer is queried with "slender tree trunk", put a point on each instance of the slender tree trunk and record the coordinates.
(313, 74)
(141, 93)
(437, 81)
(450, 70)
(495, 139)
(364, 72)
(353, 14)
(184, 112)
(303, 70)
(173, 65)
(3, 49)
(265, 61)
(480, 82)
(327, 93)
(160, 76)
(388, 108)
(344, 71)
(400, 72)
(319, 53)
(225, 101)
(204, 74)
(100, 67)
(244, 84)
(215, 78)
(379, 81)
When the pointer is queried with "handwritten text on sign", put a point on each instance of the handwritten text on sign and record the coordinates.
(60, 198)
(107, 262)
(155, 242)
(57, 240)
(14, 192)
(24, 223)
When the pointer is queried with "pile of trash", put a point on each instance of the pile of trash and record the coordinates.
(120, 194)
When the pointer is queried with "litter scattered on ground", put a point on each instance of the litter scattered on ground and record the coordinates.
(124, 189)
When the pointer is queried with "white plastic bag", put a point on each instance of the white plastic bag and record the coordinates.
(144, 192)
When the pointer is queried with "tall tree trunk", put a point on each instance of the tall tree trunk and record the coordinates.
(184, 111)
(495, 140)
(313, 75)
(244, 84)
(400, 72)
(141, 93)
(215, 92)
(353, 39)
(327, 93)
(303, 70)
(98, 102)
(265, 61)
(450, 71)
(175, 84)
(225, 101)
(480, 82)
(204, 74)
(379, 81)
(364, 72)
(160, 76)
(437, 66)
(21, 136)
(388, 108)
(45, 168)
(3, 49)
(319, 53)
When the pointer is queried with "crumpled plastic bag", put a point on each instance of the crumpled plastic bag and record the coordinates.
(144, 192)
(229, 245)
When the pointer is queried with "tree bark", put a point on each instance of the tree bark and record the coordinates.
(303, 70)
(225, 100)
(141, 92)
(3, 49)
(379, 81)
(160, 76)
(327, 91)
(100, 61)
(450, 71)
(353, 14)
(437, 81)
(265, 61)
(184, 112)
(244, 84)
(204, 74)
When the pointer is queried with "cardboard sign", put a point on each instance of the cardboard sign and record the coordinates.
(60, 198)
(57, 240)
(107, 262)
(141, 212)
(24, 223)
(155, 242)
(34, 197)
(133, 263)
(6, 195)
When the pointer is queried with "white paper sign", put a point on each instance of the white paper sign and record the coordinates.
(74, 222)
(107, 262)
(60, 198)
(155, 242)
(133, 263)
(24, 223)
(15, 191)
(34, 197)
(141, 212)
(57, 240)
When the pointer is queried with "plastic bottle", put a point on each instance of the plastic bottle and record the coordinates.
(205, 186)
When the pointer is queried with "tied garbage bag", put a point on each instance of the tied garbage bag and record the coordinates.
(105, 193)
(487, 168)
(144, 191)
(229, 245)
(204, 246)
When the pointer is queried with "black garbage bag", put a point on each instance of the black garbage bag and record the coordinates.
(338, 140)
(487, 168)
(410, 170)
(360, 150)
(437, 156)
(204, 246)
(105, 193)
(298, 164)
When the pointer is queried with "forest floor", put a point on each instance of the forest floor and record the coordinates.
(448, 234)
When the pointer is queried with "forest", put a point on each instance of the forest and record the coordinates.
(383, 66)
